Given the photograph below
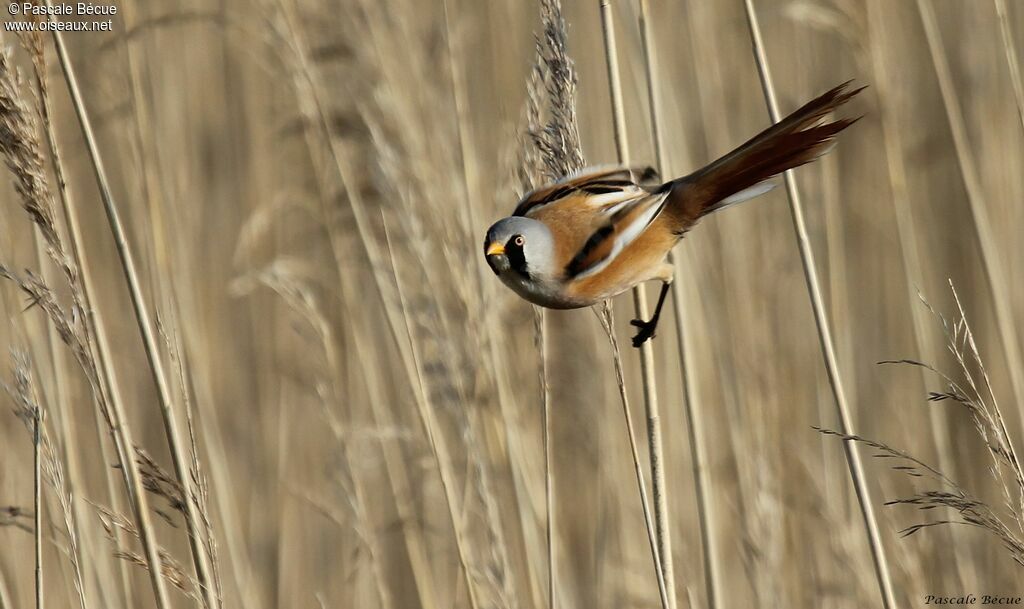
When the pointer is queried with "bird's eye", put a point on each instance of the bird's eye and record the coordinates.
(519, 241)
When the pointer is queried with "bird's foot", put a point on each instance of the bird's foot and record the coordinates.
(646, 331)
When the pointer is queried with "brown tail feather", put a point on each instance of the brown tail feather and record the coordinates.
(797, 139)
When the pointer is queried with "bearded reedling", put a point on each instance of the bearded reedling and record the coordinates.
(597, 233)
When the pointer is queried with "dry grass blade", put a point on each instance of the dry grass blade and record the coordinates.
(662, 536)
(171, 569)
(31, 414)
(438, 448)
(1010, 48)
(692, 408)
(540, 343)
(399, 479)
(148, 156)
(907, 228)
(81, 291)
(5, 596)
(48, 466)
(499, 364)
(300, 298)
(698, 453)
(824, 331)
(992, 259)
(973, 393)
(608, 323)
(37, 498)
(910, 249)
(310, 92)
(21, 149)
(196, 471)
(146, 331)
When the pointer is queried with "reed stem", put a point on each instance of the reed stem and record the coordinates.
(663, 543)
(37, 499)
(119, 428)
(153, 193)
(142, 318)
(691, 406)
(608, 322)
(824, 331)
(540, 336)
(103, 579)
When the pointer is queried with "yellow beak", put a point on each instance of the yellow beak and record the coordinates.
(495, 248)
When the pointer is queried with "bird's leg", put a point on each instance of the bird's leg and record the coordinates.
(647, 328)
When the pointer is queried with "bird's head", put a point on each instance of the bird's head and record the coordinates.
(519, 248)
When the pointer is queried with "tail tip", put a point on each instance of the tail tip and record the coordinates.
(842, 92)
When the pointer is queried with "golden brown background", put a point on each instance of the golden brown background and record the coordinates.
(246, 134)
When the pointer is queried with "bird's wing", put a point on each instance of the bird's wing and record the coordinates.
(619, 225)
(599, 187)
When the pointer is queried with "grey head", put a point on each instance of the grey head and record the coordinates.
(521, 252)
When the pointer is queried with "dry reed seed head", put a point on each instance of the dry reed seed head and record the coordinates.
(70, 328)
(971, 510)
(112, 521)
(991, 428)
(22, 152)
(552, 123)
(159, 482)
(40, 295)
(20, 146)
(21, 392)
(171, 568)
(407, 167)
(293, 280)
(32, 413)
(917, 468)
(32, 42)
(984, 408)
(984, 411)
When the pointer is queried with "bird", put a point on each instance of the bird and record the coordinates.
(603, 230)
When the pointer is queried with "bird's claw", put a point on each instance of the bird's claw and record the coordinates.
(646, 331)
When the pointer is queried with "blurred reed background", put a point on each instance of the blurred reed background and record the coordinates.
(358, 402)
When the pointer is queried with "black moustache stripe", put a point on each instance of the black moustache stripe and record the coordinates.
(517, 260)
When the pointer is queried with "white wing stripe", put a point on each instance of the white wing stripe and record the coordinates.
(636, 226)
(613, 200)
